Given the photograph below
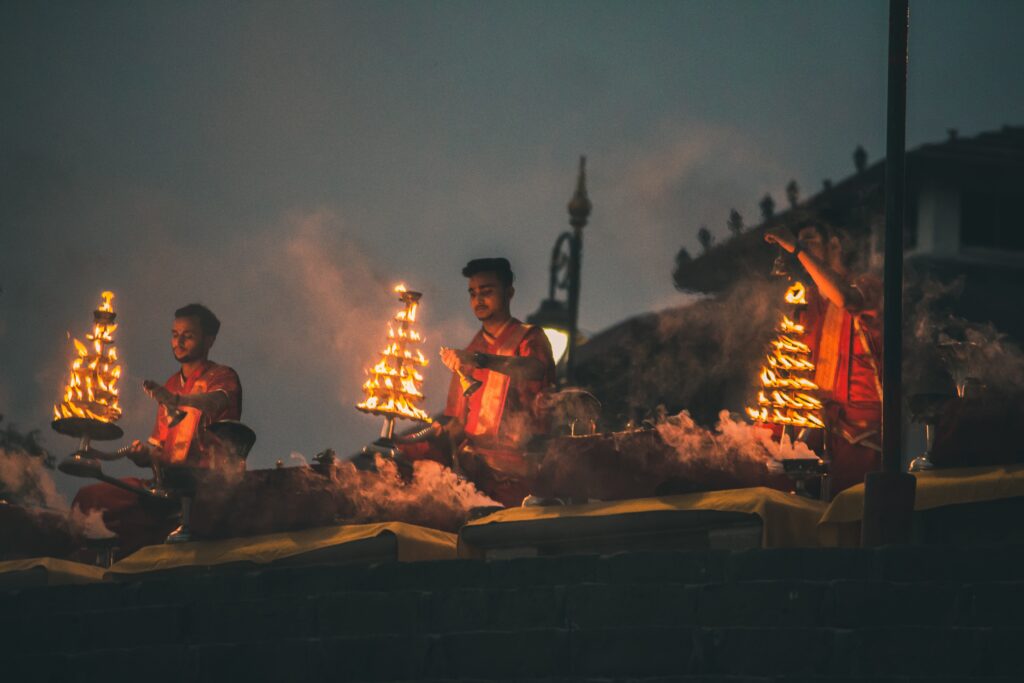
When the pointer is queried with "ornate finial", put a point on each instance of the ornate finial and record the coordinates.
(579, 205)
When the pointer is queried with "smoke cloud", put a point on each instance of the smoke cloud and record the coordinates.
(677, 455)
(24, 480)
(703, 357)
(730, 445)
(945, 349)
(27, 483)
(89, 524)
(432, 495)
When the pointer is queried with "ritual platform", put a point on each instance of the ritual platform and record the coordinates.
(734, 519)
(46, 571)
(962, 506)
(354, 543)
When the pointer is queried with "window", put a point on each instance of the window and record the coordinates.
(987, 221)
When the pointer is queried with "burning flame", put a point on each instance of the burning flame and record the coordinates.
(393, 387)
(796, 294)
(787, 388)
(91, 391)
(790, 327)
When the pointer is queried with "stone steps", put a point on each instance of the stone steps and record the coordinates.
(751, 604)
(688, 616)
(599, 653)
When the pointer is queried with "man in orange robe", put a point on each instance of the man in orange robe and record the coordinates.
(199, 393)
(843, 323)
(491, 424)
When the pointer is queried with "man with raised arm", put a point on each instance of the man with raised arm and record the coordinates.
(843, 321)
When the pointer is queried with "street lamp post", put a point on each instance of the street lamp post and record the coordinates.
(579, 210)
(560, 318)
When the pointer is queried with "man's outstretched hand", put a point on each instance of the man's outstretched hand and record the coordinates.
(139, 454)
(160, 393)
(459, 362)
(781, 236)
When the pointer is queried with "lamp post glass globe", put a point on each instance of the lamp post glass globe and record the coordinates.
(559, 340)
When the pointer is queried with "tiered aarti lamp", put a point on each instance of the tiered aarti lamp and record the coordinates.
(393, 389)
(90, 408)
(788, 394)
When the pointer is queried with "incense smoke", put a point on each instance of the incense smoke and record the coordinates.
(943, 349)
(424, 493)
(433, 496)
(731, 443)
(89, 524)
(703, 357)
(24, 480)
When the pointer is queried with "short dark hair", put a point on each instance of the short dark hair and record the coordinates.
(499, 266)
(207, 320)
(826, 230)
(848, 246)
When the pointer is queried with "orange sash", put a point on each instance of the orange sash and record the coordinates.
(177, 441)
(495, 389)
(827, 368)
(180, 437)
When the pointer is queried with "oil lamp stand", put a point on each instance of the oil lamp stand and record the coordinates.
(86, 430)
(181, 482)
(105, 549)
(799, 470)
(387, 431)
(926, 408)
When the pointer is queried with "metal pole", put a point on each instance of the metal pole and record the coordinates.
(895, 171)
(889, 494)
(579, 211)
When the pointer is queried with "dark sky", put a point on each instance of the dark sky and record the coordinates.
(286, 163)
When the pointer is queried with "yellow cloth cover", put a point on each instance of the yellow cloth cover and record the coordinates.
(57, 571)
(840, 525)
(415, 543)
(788, 520)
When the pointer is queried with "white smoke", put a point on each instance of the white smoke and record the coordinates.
(26, 481)
(89, 524)
(433, 496)
(729, 443)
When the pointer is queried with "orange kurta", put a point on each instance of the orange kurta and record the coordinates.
(499, 419)
(139, 523)
(846, 349)
(187, 441)
(503, 412)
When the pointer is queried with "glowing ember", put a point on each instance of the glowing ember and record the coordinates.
(787, 395)
(91, 391)
(394, 386)
(797, 294)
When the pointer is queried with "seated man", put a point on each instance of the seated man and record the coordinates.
(199, 393)
(492, 399)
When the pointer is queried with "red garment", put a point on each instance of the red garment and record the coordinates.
(141, 522)
(136, 522)
(187, 442)
(503, 413)
(502, 416)
(857, 379)
(853, 407)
